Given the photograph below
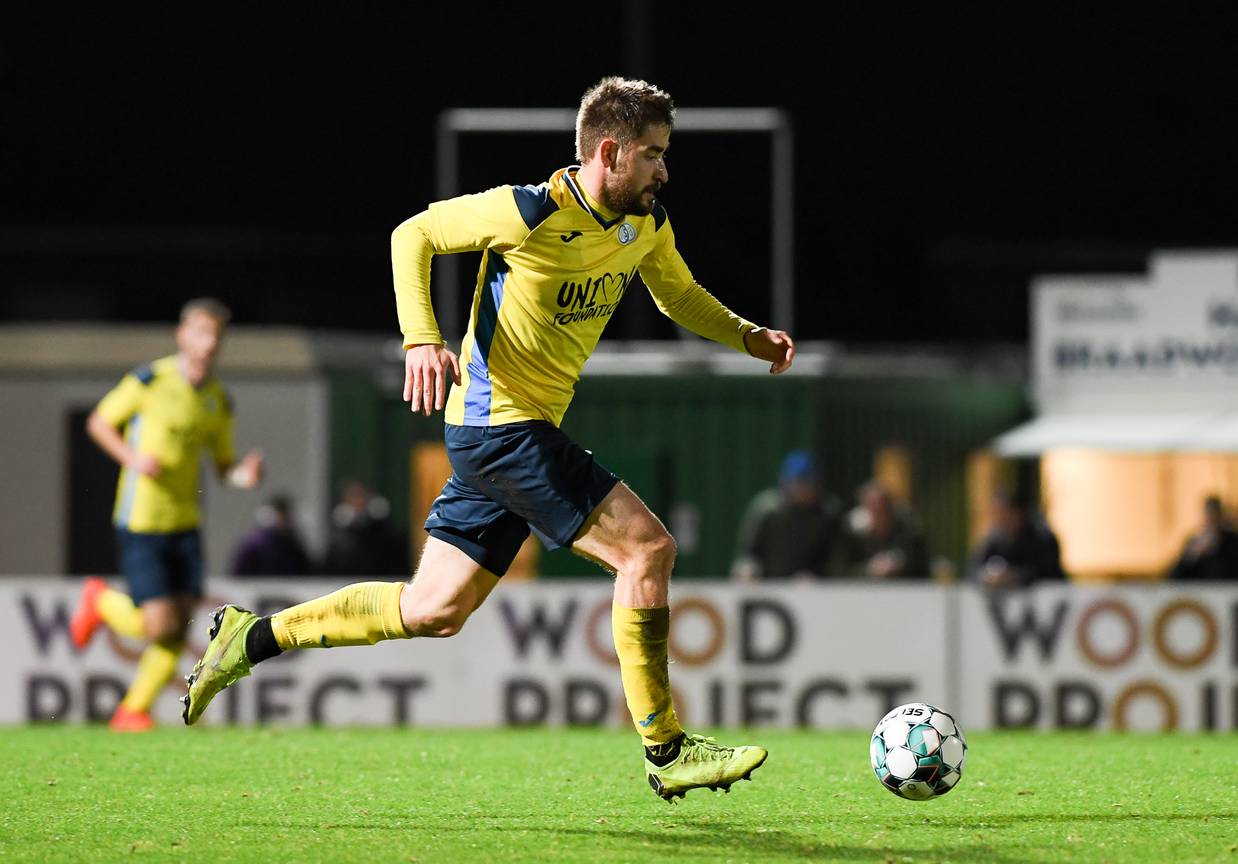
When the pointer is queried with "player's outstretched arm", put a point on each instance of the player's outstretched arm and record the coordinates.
(776, 346)
(425, 377)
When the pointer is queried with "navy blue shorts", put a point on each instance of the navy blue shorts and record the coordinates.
(510, 479)
(161, 565)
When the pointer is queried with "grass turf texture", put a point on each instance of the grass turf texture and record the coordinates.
(413, 795)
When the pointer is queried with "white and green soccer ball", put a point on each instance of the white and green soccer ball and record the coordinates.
(918, 751)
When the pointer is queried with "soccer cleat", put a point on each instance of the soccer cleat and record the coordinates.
(127, 720)
(703, 763)
(224, 662)
(86, 618)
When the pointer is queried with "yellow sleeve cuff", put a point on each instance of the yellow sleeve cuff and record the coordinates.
(422, 337)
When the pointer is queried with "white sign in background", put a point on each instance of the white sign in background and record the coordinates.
(1164, 342)
(822, 656)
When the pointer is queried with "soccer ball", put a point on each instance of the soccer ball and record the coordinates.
(918, 751)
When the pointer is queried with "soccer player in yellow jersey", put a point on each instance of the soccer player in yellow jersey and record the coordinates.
(556, 261)
(170, 411)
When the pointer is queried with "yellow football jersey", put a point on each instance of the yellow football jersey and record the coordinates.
(165, 416)
(553, 271)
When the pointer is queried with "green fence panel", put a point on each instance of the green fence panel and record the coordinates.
(697, 448)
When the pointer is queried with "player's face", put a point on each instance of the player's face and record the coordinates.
(640, 171)
(199, 336)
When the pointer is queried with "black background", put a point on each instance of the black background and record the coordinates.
(944, 155)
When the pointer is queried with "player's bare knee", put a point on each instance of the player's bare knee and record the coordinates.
(438, 623)
(655, 553)
(160, 628)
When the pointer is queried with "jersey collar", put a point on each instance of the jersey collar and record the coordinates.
(579, 195)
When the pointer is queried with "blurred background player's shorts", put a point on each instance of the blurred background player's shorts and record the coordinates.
(161, 565)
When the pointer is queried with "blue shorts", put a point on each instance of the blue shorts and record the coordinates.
(510, 479)
(161, 565)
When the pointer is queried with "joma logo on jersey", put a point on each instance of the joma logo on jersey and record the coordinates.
(596, 297)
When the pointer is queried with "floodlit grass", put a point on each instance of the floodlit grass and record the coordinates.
(84, 794)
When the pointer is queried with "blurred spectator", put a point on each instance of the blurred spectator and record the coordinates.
(363, 540)
(1019, 549)
(1211, 554)
(883, 539)
(273, 547)
(790, 531)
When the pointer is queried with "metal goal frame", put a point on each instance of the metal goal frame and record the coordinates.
(456, 122)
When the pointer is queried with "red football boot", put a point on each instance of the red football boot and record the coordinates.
(86, 618)
(125, 720)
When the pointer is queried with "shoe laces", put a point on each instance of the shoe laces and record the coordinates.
(700, 748)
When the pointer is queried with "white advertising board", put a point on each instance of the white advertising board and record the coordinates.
(835, 656)
(1143, 658)
(820, 656)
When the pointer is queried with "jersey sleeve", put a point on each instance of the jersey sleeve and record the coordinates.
(122, 401)
(470, 223)
(682, 299)
(221, 444)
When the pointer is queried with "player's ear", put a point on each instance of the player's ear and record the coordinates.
(608, 152)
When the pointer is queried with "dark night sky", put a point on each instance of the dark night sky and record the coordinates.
(942, 158)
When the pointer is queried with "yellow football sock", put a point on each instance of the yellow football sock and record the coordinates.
(119, 613)
(359, 614)
(640, 641)
(155, 669)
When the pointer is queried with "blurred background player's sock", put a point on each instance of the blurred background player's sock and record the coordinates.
(119, 613)
(359, 614)
(155, 669)
(640, 642)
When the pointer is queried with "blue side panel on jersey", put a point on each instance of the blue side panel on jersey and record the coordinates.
(144, 373)
(534, 203)
(134, 436)
(477, 398)
(659, 215)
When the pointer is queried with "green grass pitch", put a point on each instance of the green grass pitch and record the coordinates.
(414, 795)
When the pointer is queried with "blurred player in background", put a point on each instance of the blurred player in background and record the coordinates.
(169, 411)
(557, 259)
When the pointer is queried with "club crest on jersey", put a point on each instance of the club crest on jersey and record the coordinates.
(626, 233)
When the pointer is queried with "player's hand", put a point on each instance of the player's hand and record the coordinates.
(425, 377)
(146, 464)
(775, 346)
(247, 474)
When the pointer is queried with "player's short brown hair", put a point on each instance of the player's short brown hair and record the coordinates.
(215, 308)
(620, 108)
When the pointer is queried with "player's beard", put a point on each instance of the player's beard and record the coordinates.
(627, 200)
